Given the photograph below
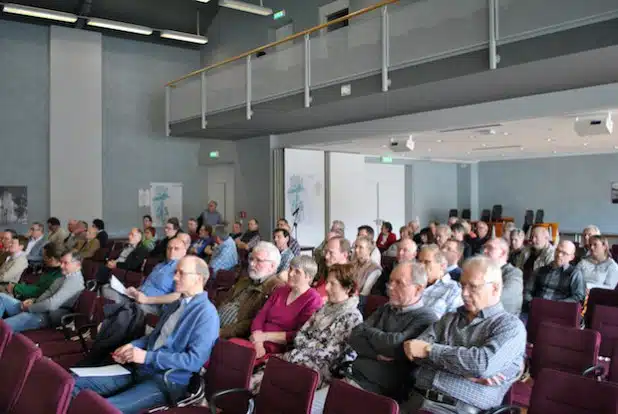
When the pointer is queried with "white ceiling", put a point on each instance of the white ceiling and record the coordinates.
(531, 138)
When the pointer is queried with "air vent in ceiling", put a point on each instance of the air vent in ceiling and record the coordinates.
(501, 147)
(472, 128)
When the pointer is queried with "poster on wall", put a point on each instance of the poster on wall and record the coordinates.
(302, 192)
(165, 202)
(614, 192)
(13, 205)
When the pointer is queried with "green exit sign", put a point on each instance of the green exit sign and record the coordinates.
(386, 160)
(279, 15)
(214, 154)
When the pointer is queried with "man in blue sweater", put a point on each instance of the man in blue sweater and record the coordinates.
(182, 341)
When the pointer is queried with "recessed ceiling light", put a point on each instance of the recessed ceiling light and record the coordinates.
(439, 140)
(428, 149)
(505, 133)
(502, 155)
(549, 140)
(472, 136)
(383, 146)
(586, 144)
(616, 147)
(521, 148)
(483, 145)
(555, 152)
(468, 153)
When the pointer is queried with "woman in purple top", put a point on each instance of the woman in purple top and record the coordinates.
(287, 309)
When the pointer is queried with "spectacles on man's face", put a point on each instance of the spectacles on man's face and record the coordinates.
(254, 259)
(474, 287)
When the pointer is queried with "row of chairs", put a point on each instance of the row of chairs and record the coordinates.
(33, 384)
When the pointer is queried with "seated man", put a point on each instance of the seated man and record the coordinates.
(469, 359)
(381, 365)
(47, 309)
(512, 277)
(406, 252)
(51, 272)
(16, 263)
(250, 292)
(87, 247)
(36, 241)
(559, 281)
(224, 255)
(367, 231)
(182, 340)
(453, 251)
(131, 257)
(442, 294)
(293, 244)
(251, 237)
(158, 288)
(536, 255)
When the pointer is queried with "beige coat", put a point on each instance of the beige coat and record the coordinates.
(11, 270)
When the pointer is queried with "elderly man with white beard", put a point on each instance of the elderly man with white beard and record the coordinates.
(250, 292)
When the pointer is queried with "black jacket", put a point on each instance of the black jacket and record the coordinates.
(135, 259)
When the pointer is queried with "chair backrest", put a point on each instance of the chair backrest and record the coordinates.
(466, 214)
(15, 364)
(496, 212)
(86, 303)
(452, 213)
(133, 279)
(225, 278)
(565, 349)
(101, 254)
(90, 268)
(5, 336)
(47, 390)
(387, 262)
(598, 296)
(486, 215)
(230, 366)
(539, 216)
(559, 313)
(150, 264)
(119, 273)
(373, 303)
(280, 395)
(92, 403)
(564, 393)
(612, 374)
(344, 398)
(605, 321)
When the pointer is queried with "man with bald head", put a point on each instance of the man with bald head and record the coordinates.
(559, 281)
(468, 359)
(538, 254)
(512, 277)
(181, 342)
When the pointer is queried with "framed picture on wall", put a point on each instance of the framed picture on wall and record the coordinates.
(614, 192)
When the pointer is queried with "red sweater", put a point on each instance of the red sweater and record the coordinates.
(384, 243)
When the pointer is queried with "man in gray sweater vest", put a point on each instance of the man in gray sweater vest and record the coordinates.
(48, 308)
(381, 365)
(512, 296)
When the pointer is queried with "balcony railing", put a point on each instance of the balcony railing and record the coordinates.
(379, 39)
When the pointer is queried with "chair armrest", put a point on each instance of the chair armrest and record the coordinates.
(67, 319)
(81, 331)
(247, 393)
(504, 409)
(594, 371)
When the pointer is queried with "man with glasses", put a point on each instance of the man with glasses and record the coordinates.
(250, 292)
(560, 280)
(442, 293)
(512, 277)
(468, 359)
(36, 241)
(47, 309)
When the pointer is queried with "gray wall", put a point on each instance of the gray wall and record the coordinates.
(431, 190)
(574, 191)
(24, 114)
(464, 186)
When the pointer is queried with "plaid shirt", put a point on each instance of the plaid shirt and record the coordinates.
(565, 284)
(443, 296)
(492, 343)
(286, 258)
(224, 256)
(294, 246)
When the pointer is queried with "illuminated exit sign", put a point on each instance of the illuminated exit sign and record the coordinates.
(279, 15)
(386, 160)
(214, 154)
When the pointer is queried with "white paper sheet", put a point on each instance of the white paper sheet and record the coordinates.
(117, 285)
(106, 371)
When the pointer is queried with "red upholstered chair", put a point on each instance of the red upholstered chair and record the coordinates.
(5, 336)
(344, 398)
(559, 313)
(47, 390)
(133, 279)
(90, 267)
(89, 402)
(373, 303)
(101, 254)
(278, 394)
(558, 347)
(605, 321)
(565, 393)
(15, 365)
(597, 296)
(119, 273)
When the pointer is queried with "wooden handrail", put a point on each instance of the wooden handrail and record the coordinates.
(285, 40)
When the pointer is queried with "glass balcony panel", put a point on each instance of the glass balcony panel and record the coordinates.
(185, 99)
(279, 72)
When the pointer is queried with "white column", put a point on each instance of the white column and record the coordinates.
(75, 124)
(475, 213)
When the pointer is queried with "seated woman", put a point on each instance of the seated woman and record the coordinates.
(149, 239)
(386, 237)
(205, 239)
(598, 268)
(287, 309)
(367, 272)
(323, 338)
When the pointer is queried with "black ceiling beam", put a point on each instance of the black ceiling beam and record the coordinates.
(84, 9)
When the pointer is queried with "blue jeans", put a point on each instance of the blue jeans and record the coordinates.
(20, 321)
(128, 396)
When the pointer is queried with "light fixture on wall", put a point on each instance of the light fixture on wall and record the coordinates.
(124, 27)
(246, 7)
(41, 13)
(184, 37)
(203, 1)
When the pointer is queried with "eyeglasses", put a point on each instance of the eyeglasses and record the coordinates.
(258, 260)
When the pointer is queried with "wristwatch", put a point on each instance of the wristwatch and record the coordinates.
(428, 349)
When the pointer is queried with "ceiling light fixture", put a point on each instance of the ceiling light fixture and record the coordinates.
(616, 147)
(184, 37)
(521, 148)
(585, 144)
(41, 13)
(428, 149)
(555, 152)
(123, 27)
(246, 7)
(505, 134)
(483, 145)
(549, 140)
(439, 141)
(203, 1)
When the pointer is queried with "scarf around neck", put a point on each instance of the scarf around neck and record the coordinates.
(331, 311)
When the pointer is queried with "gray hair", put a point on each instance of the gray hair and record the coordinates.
(489, 268)
(591, 228)
(417, 273)
(338, 224)
(306, 264)
(75, 256)
(445, 228)
(201, 267)
(437, 253)
(220, 231)
(271, 250)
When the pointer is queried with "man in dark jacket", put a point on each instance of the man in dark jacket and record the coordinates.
(131, 258)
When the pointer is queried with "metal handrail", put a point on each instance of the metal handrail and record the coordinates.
(285, 40)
